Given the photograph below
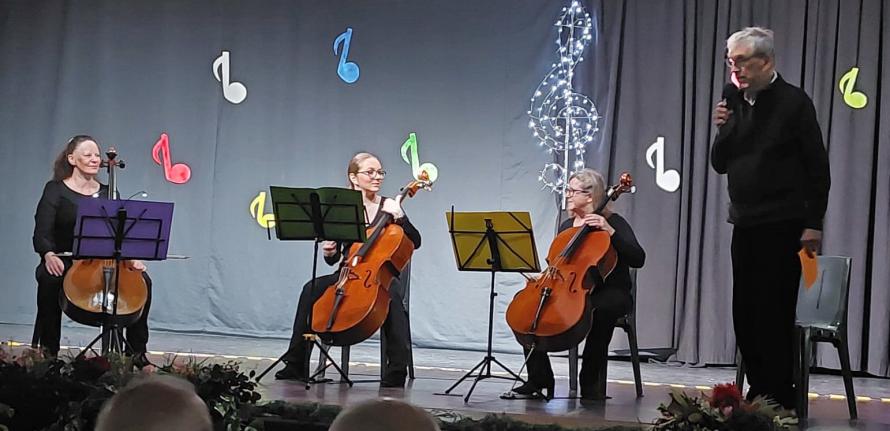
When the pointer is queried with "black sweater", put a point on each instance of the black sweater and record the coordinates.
(773, 155)
(343, 247)
(55, 217)
(630, 253)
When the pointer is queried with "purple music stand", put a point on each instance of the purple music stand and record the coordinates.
(119, 230)
(142, 227)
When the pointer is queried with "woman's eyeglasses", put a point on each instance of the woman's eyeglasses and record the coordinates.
(372, 173)
(570, 191)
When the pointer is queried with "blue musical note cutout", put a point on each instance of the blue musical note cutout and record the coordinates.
(347, 70)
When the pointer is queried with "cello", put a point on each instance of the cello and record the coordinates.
(553, 312)
(355, 307)
(88, 291)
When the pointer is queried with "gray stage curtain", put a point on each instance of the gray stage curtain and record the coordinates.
(661, 77)
(460, 75)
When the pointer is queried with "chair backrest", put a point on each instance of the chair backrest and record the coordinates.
(633, 292)
(405, 279)
(825, 302)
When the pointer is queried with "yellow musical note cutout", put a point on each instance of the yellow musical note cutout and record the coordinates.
(257, 209)
(414, 161)
(853, 99)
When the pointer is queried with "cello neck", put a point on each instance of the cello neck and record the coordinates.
(111, 163)
(625, 184)
(382, 221)
(585, 229)
(408, 191)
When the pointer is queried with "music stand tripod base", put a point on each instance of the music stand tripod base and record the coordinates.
(119, 230)
(328, 213)
(491, 242)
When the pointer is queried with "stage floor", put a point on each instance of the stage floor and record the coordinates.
(436, 370)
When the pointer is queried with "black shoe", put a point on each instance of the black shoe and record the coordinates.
(392, 383)
(394, 378)
(140, 360)
(290, 372)
(594, 397)
(528, 391)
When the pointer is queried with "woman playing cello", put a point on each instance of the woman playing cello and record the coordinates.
(609, 301)
(74, 178)
(366, 174)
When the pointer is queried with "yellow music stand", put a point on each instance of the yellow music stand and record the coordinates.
(497, 241)
(475, 249)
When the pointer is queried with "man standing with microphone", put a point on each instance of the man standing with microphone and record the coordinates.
(770, 146)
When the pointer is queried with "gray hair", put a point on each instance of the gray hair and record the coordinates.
(758, 38)
(593, 182)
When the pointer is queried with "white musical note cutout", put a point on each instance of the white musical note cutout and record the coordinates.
(234, 92)
(667, 180)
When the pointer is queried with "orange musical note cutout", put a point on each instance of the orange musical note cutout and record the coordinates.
(178, 173)
(853, 99)
(809, 267)
(257, 209)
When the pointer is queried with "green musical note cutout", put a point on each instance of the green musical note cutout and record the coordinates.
(416, 168)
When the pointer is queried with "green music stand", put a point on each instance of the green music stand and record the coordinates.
(323, 214)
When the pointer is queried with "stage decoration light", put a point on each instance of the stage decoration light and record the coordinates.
(561, 119)
(257, 212)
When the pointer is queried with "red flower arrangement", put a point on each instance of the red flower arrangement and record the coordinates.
(724, 410)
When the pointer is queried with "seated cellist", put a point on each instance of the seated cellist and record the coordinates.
(74, 177)
(609, 301)
(365, 174)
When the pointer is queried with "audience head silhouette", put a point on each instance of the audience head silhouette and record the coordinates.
(155, 403)
(384, 415)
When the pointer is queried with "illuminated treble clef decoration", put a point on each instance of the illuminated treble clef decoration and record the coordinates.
(563, 120)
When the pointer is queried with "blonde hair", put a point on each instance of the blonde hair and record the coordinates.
(354, 163)
(593, 182)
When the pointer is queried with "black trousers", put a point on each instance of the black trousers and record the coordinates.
(48, 325)
(609, 304)
(766, 277)
(395, 329)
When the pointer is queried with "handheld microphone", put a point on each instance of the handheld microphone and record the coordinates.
(732, 96)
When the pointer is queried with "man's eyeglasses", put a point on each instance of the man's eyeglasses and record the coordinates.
(740, 61)
(571, 192)
(372, 173)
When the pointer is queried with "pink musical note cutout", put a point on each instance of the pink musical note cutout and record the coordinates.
(178, 173)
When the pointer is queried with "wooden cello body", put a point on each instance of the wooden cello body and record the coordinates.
(364, 301)
(354, 308)
(88, 290)
(553, 312)
(84, 297)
